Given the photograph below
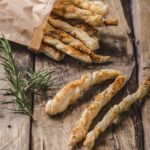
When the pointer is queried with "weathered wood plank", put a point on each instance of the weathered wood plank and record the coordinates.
(141, 18)
(53, 133)
(14, 128)
(136, 108)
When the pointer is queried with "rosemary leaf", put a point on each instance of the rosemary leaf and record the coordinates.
(39, 80)
(15, 81)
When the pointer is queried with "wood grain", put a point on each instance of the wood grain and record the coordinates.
(14, 128)
(53, 133)
(141, 18)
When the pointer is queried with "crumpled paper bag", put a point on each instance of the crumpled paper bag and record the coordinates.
(23, 21)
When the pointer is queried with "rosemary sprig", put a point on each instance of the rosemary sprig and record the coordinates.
(19, 86)
(39, 80)
(13, 75)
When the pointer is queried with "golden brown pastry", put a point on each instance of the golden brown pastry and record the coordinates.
(67, 39)
(99, 59)
(67, 49)
(52, 52)
(92, 32)
(81, 128)
(73, 12)
(110, 21)
(97, 7)
(76, 32)
(143, 89)
(70, 93)
(66, 2)
(87, 28)
(78, 45)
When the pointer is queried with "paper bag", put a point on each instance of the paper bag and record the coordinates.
(23, 21)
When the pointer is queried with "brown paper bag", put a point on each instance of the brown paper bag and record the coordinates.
(23, 21)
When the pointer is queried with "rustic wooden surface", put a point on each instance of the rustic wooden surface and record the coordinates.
(14, 128)
(53, 133)
(18, 132)
(141, 18)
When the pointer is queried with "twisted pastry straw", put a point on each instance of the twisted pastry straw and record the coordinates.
(67, 49)
(75, 43)
(81, 128)
(73, 12)
(52, 52)
(99, 59)
(97, 7)
(70, 93)
(76, 32)
(68, 39)
(93, 32)
(143, 89)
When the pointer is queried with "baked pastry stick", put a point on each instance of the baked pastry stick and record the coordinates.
(77, 33)
(52, 52)
(66, 2)
(92, 32)
(143, 89)
(70, 93)
(78, 45)
(97, 7)
(87, 28)
(81, 128)
(67, 49)
(67, 39)
(99, 59)
(73, 12)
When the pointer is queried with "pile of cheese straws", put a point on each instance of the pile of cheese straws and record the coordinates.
(71, 92)
(71, 30)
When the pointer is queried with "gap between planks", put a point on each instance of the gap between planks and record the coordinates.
(141, 19)
(136, 108)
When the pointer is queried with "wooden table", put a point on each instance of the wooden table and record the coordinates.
(129, 44)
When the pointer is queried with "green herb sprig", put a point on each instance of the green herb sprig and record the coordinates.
(19, 86)
(39, 80)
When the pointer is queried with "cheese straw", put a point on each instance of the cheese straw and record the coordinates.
(143, 89)
(81, 128)
(70, 93)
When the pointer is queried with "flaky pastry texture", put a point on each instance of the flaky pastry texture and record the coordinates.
(67, 49)
(81, 128)
(77, 44)
(70, 93)
(52, 52)
(68, 39)
(73, 12)
(75, 32)
(97, 7)
(143, 89)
